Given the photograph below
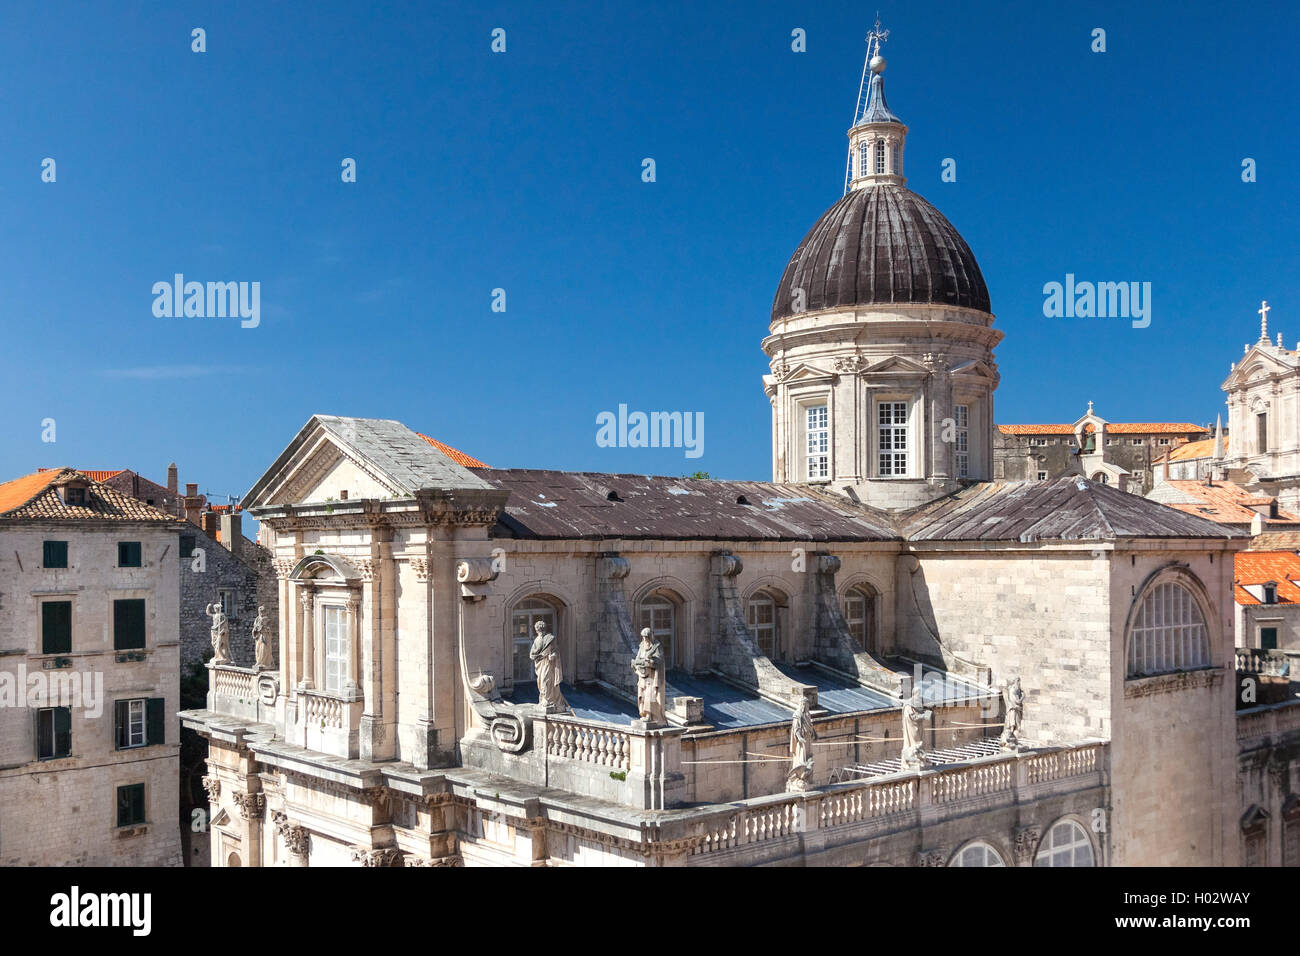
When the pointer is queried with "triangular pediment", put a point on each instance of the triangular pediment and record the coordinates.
(897, 364)
(801, 372)
(1258, 363)
(334, 458)
(975, 369)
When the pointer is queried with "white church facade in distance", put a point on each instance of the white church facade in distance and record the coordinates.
(881, 657)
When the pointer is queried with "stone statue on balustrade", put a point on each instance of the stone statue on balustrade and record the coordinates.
(1013, 699)
(651, 679)
(220, 634)
(802, 735)
(545, 654)
(914, 717)
(261, 644)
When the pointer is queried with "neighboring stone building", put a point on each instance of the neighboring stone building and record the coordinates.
(1226, 503)
(88, 617)
(996, 672)
(1267, 590)
(1123, 454)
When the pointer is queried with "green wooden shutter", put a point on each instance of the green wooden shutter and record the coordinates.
(155, 721)
(62, 731)
(56, 627)
(120, 723)
(128, 624)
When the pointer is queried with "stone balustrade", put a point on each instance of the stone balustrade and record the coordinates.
(1253, 660)
(904, 799)
(328, 723)
(1271, 721)
(233, 690)
(598, 744)
(633, 765)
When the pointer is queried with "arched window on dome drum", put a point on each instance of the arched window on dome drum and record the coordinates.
(977, 854)
(880, 156)
(817, 430)
(863, 158)
(898, 165)
(1169, 633)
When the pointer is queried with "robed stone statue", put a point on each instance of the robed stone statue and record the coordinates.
(802, 735)
(1013, 699)
(545, 654)
(914, 718)
(220, 634)
(651, 678)
(261, 645)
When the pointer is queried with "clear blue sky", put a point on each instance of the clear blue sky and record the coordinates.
(522, 171)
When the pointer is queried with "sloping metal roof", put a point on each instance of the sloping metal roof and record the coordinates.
(877, 108)
(595, 505)
(1067, 508)
(881, 245)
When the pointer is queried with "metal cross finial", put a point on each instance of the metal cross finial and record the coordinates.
(1263, 322)
(876, 37)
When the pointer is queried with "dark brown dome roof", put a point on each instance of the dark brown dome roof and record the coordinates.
(880, 245)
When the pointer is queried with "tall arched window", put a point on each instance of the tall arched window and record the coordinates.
(897, 169)
(880, 156)
(864, 161)
(860, 616)
(1169, 633)
(1066, 844)
(526, 614)
(977, 854)
(761, 616)
(660, 615)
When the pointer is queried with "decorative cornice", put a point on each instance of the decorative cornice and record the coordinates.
(251, 805)
(377, 856)
(1172, 683)
(295, 837)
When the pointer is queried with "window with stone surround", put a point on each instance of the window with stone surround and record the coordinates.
(130, 805)
(761, 616)
(864, 161)
(1168, 633)
(1066, 844)
(817, 434)
(1261, 433)
(53, 732)
(860, 615)
(880, 156)
(338, 650)
(56, 627)
(961, 438)
(659, 613)
(977, 854)
(526, 614)
(139, 722)
(892, 439)
(1042, 476)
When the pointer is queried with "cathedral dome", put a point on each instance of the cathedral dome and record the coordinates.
(879, 246)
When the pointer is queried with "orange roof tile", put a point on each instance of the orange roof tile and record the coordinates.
(1192, 449)
(1224, 502)
(1112, 428)
(35, 496)
(459, 457)
(91, 473)
(1261, 567)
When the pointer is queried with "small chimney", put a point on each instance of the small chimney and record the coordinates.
(191, 490)
(232, 535)
(210, 525)
(171, 478)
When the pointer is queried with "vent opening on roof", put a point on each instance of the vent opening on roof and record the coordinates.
(612, 495)
(741, 500)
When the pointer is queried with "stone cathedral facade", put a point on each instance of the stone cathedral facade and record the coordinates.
(882, 579)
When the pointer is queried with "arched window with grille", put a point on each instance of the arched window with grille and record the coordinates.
(659, 613)
(880, 156)
(525, 616)
(977, 853)
(1168, 633)
(761, 616)
(864, 161)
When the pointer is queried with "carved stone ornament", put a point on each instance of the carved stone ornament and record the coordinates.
(283, 567)
(251, 805)
(421, 568)
(295, 837)
(852, 364)
(212, 786)
(1026, 844)
(378, 856)
(932, 858)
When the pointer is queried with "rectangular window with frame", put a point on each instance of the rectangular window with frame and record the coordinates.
(187, 546)
(228, 602)
(891, 418)
(1268, 637)
(53, 733)
(55, 554)
(961, 418)
(1137, 441)
(56, 627)
(818, 434)
(129, 554)
(130, 805)
(336, 648)
(1261, 433)
(1042, 476)
(139, 722)
(1038, 441)
(128, 624)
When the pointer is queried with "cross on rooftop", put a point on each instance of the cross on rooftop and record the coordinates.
(875, 38)
(1263, 321)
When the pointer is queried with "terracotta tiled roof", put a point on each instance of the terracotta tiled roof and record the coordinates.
(1261, 567)
(1222, 501)
(1276, 541)
(459, 457)
(1112, 428)
(92, 473)
(34, 496)
(1192, 449)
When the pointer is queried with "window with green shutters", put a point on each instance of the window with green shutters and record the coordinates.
(139, 722)
(128, 624)
(130, 805)
(56, 554)
(53, 732)
(56, 627)
(128, 554)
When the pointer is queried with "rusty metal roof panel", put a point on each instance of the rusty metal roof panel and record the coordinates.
(596, 505)
(1068, 508)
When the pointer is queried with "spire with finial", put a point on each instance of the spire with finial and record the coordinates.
(877, 134)
(1219, 448)
(1263, 320)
